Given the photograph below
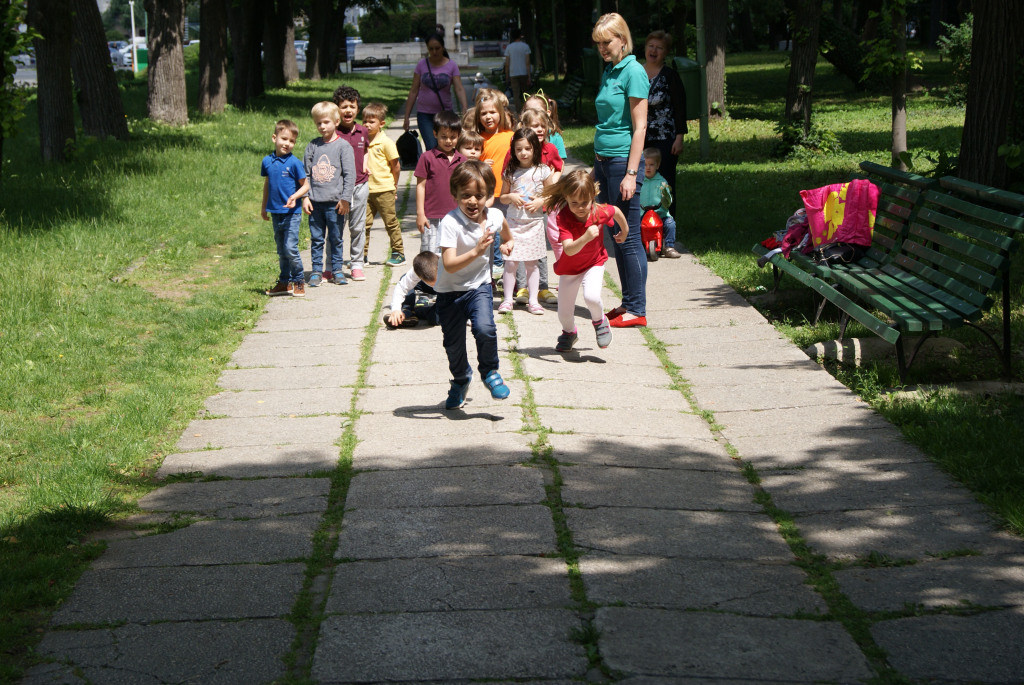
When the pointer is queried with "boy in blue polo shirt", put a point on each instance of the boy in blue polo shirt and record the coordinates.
(283, 185)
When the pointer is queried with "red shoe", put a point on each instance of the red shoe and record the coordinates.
(622, 322)
(615, 313)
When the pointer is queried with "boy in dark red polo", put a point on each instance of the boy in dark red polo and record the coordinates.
(347, 100)
(433, 176)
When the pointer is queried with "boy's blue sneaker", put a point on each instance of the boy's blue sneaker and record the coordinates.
(315, 279)
(395, 259)
(457, 394)
(339, 278)
(499, 390)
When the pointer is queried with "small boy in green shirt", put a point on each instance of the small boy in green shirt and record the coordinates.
(656, 194)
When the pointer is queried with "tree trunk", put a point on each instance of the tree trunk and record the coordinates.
(716, 31)
(240, 67)
(319, 15)
(99, 101)
(213, 56)
(291, 64)
(899, 87)
(996, 62)
(330, 53)
(167, 100)
(274, 44)
(247, 39)
(804, 19)
(52, 18)
(745, 27)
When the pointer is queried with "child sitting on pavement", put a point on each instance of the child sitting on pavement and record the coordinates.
(283, 185)
(406, 310)
(656, 194)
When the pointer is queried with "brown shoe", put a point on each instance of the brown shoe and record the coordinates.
(282, 288)
(670, 253)
(298, 289)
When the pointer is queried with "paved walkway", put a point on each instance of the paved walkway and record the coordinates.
(686, 506)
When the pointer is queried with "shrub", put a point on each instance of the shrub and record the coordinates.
(955, 44)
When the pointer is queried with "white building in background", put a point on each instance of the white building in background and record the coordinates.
(352, 15)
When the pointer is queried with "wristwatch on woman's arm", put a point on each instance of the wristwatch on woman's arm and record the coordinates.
(632, 172)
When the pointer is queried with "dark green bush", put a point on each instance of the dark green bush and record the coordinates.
(955, 45)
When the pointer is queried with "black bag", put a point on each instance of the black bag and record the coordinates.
(838, 253)
(408, 145)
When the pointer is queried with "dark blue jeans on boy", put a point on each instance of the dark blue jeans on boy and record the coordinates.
(477, 307)
(424, 312)
(668, 232)
(325, 218)
(286, 236)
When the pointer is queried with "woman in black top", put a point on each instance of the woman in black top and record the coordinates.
(666, 107)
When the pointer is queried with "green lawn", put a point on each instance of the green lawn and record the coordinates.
(132, 272)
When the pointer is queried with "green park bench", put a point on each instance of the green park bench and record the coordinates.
(940, 249)
(568, 102)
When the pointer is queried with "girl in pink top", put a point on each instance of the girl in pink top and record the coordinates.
(583, 254)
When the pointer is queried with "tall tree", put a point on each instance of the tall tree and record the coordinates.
(994, 99)
(247, 38)
(716, 31)
(167, 99)
(898, 33)
(213, 56)
(804, 18)
(279, 44)
(13, 41)
(99, 100)
(52, 19)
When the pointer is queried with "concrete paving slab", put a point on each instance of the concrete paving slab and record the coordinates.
(263, 430)
(446, 531)
(248, 403)
(417, 451)
(219, 652)
(414, 397)
(848, 486)
(430, 353)
(593, 369)
(449, 584)
(748, 332)
(712, 293)
(674, 533)
(667, 423)
(450, 645)
(765, 589)
(350, 337)
(308, 321)
(281, 538)
(605, 395)
(145, 595)
(747, 353)
(656, 642)
(838, 421)
(990, 580)
(800, 373)
(321, 352)
(446, 487)
(294, 378)
(878, 448)
(410, 422)
(653, 453)
(984, 648)
(906, 532)
(383, 374)
(607, 486)
(242, 498)
(760, 396)
(698, 317)
(272, 461)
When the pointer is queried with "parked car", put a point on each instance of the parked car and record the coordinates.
(300, 50)
(115, 57)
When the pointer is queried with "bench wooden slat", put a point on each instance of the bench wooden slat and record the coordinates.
(918, 260)
(960, 307)
(996, 241)
(894, 301)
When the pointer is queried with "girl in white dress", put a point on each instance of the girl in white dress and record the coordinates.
(522, 182)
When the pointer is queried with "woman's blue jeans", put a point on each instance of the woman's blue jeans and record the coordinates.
(630, 258)
(425, 122)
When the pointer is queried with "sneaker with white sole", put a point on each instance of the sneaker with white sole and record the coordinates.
(315, 279)
(522, 296)
(547, 297)
(496, 385)
(282, 288)
(357, 274)
(604, 332)
(457, 394)
(298, 289)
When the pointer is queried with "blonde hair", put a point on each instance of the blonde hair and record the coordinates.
(326, 109)
(653, 154)
(612, 24)
(486, 96)
(532, 116)
(375, 110)
(571, 185)
(550, 108)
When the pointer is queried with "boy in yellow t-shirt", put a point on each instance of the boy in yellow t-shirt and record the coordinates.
(384, 165)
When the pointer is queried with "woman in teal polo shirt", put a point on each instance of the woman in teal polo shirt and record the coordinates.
(618, 167)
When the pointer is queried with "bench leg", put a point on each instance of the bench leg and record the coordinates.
(901, 361)
(1007, 356)
(844, 321)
